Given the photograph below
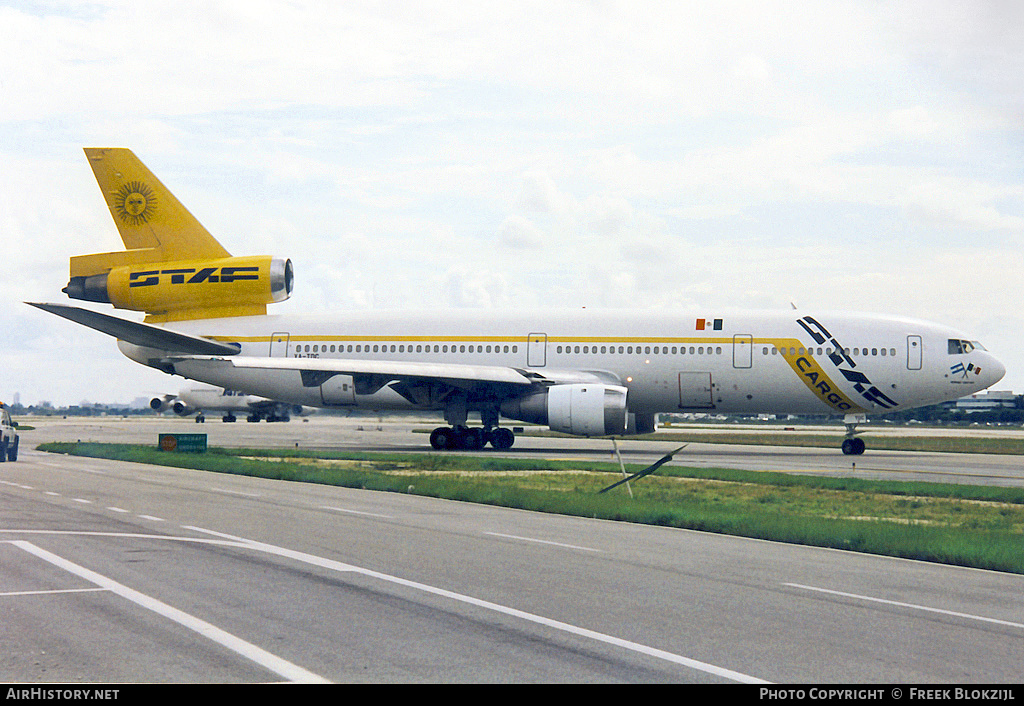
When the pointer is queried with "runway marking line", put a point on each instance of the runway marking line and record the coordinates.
(913, 606)
(357, 512)
(513, 612)
(542, 541)
(246, 649)
(236, 492)
(47, 593)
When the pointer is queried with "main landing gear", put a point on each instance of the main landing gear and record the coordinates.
(853, 446)
(471, 438)
(461, 436)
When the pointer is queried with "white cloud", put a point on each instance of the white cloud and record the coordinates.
(840, 154)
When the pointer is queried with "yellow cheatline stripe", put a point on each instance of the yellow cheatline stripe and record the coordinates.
(798, 356)
(484, 339)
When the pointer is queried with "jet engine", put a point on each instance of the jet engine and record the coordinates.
(581, 409)
(160, 404)
(181, 409)
(228, 286)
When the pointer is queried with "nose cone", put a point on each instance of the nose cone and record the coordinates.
(992, 372)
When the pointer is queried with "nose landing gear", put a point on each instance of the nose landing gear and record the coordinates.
(853, 446)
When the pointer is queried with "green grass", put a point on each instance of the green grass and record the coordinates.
(977, 526)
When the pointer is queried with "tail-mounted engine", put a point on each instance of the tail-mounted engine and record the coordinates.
(190, 289)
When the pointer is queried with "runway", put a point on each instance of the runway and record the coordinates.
(123, 573)
(397, 434)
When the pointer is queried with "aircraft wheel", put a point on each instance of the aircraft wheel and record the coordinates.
(502, 438)
(471, 439)
(853, 446)
(442, 438)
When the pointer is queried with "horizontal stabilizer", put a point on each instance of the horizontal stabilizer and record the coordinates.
(140, 334)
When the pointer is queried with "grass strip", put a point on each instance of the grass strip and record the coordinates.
(975, 526)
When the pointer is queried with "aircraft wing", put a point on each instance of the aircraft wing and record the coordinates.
(185, 350)
(418, 382)
(139, 333)
(313, 369)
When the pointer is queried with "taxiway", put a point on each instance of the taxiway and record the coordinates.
(115, 572)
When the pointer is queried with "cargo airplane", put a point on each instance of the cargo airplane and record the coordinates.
(200, 400)
(583, 372)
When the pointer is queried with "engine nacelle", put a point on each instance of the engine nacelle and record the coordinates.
(581, 409)
(159, 404)
(186, 289)
(181, 409)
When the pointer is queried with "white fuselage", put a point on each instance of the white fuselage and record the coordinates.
(218, 400)
(778, 362)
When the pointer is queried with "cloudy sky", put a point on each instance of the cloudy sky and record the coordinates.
(844, 155)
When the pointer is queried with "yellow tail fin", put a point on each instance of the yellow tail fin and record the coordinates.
(153, 224)
(172, 268)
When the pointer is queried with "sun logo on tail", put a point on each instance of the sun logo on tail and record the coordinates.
(135, 203)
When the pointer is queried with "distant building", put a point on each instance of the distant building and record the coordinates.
(986, 401)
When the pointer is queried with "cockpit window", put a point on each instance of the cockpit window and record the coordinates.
(956, 346)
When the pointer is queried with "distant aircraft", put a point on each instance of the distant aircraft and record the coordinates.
(201, 400)
(584, 372)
